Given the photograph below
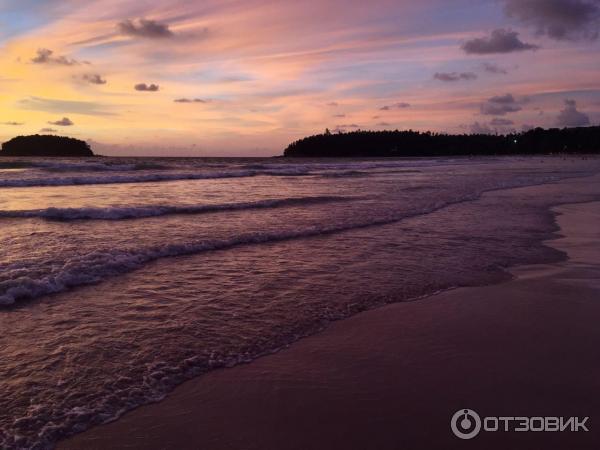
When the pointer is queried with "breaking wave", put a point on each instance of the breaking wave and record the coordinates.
(138, 212)
(135, 178)
(102, 264)
(98, 265)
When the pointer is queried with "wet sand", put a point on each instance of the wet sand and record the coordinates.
(392, 377)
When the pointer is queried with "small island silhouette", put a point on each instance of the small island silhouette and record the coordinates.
(46, 145)
(411, 143)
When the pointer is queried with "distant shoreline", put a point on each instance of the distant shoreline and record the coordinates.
(538, 141)
(364, 144)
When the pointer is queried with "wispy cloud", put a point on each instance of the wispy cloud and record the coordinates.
(63, 106)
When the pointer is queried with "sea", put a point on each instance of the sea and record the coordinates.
(121, 278)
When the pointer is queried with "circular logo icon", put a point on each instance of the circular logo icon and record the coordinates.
(465, 424)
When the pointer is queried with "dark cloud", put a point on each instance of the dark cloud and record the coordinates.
(339, 115)
(332, 104)
(500, 41)
(384, 124)
(46, 56)
(144, 29)
(64, 122)
(480, 128)
(48, 130)
(498, 122)
(400, 105)
(188, 100)
(500, 105)
(93, 78)
(558, 19)
(571, 117)
(352, 125)
(494, 68)
(454, 76)
(14, 124)
(146, 87)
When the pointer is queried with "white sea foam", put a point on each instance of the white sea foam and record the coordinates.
(137, 177)
(137, 212)
(121, 178)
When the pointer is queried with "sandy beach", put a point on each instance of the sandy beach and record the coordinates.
(393, 377)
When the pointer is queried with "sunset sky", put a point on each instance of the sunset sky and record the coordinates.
(230, 77)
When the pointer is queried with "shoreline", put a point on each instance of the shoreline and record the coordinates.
(351, 387)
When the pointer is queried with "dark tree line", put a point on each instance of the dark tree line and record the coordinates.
(45, 145)
(415, 143)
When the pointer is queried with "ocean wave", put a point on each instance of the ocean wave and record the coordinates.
(84, 166)
(96, 266)
(167, 176)
(130, 178)
(99, 167)
(395, 165)
(138, 212)
(140, 172)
